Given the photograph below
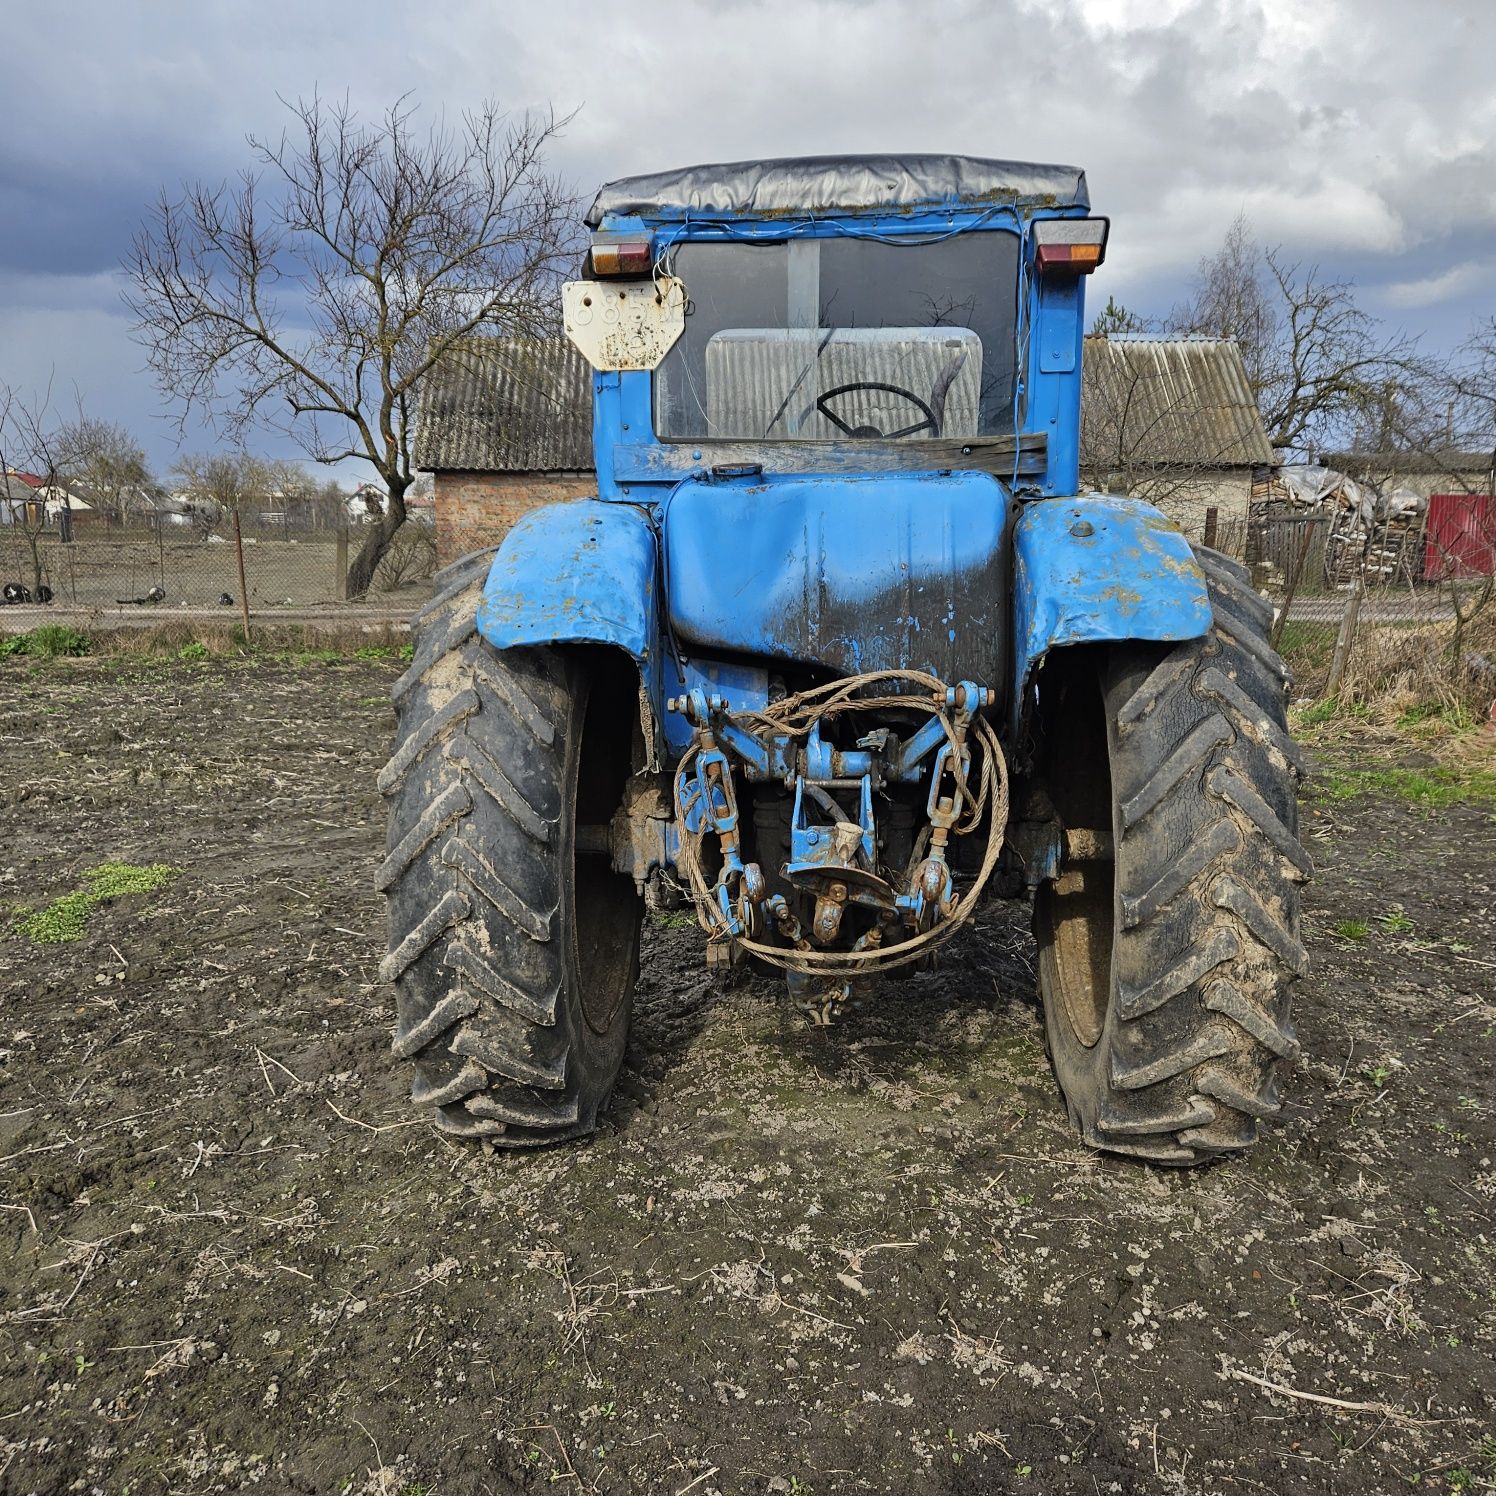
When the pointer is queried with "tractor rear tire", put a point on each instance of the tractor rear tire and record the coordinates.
(1169, 941)
(513, 954)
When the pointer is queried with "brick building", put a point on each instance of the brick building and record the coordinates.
(505, 424)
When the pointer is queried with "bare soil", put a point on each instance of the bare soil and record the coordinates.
(864, 1258)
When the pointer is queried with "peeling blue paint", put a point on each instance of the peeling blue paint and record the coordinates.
(578, 573)
(1098, 568)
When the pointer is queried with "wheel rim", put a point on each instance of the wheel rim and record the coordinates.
(1076, 913)
(1076, 934)
(605, 913)
(607, 928)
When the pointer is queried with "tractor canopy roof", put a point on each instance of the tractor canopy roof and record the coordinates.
(793, 186)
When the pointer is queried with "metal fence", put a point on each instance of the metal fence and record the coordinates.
(166, 569)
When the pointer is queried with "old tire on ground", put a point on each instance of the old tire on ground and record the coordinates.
(513, 952)
(1168, 943)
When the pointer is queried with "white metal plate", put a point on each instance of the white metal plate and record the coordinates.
(624, 325)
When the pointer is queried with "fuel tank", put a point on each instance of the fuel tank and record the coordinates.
(851, 572)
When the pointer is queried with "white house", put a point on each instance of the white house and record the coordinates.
(26, 499)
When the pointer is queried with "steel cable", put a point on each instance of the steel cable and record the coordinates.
(796, 715)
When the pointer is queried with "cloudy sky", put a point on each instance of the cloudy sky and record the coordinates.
(1360, 134)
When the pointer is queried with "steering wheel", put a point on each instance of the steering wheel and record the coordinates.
(931, 421)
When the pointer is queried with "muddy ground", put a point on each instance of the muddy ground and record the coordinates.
(869, 1258)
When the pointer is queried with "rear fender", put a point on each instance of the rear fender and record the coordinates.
(577, 573)
(1098, 568)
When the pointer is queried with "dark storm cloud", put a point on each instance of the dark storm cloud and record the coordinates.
(75, 222)
(1357, 134)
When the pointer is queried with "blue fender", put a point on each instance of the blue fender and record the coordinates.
(577, 573)
(1096, 568)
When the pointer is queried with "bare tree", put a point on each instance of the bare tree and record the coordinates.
(107, 460)
(1469, 395)
(28, 451)
(1231, 299)
(218, 484)
(330, 506)
(315, 294)
(1436, 418)
(1313, 357)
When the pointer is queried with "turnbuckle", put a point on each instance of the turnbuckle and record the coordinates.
(740, 887)
(932, 895)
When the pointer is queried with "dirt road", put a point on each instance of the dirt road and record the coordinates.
(868, 1258)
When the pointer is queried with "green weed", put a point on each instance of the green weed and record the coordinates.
(65, 919)
(1395, 922)
(1328, 710)
(197, 650)
(47, 642)
(1434, 788)
(1352, 929)
(674, 919)
(1318, 712)
(1454, 716)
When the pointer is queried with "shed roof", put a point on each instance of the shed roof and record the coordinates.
(819, 184)
(1174, 401)
(525, 405)
(508, 405)
(1435, 462)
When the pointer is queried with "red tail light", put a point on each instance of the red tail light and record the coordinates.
(1070, 246)
(622, 257)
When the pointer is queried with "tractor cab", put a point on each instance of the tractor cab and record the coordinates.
(844, 305)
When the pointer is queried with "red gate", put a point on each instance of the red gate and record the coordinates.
(1460, 537)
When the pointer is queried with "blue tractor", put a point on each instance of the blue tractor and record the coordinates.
(839, 649)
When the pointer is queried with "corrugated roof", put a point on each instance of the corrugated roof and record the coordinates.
(1438, 460)
(1176, 401)
(525, 405)
(509, 405)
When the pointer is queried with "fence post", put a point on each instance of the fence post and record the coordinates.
(340, 565)
(1212, 520)
(1345, 638)
(1281, 622)
(243, 589)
